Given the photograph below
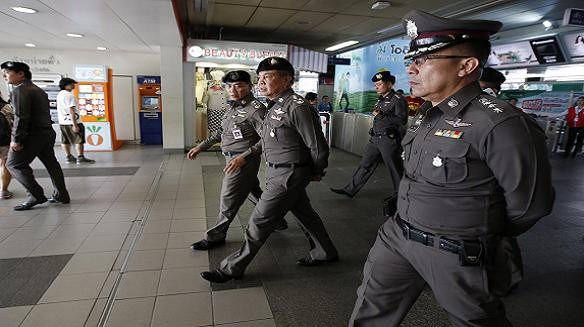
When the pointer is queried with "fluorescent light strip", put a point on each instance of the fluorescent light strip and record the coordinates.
(30, 45)
(24, 10)
(341, 45)
(101, 48)
(74, 35)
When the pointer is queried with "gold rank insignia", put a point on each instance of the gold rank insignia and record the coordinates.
(448, 133)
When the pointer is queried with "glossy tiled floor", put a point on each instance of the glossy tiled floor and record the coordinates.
(128, 240)
(119, 253)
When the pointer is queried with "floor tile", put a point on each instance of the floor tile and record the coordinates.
(183, 258)
(132, 313)
(13, 316)
(146, 260)
(90, 262)
(75, 287)
(112, 228)
(14, 221)
(70, 231)
(189, 213)
(84, 218)
(183, 310)
(114, 216)
(47, 220)
(255, 323)
(240, 305)
(188, 225)
(19, 249)
(64, 314)
(182, 280)
(31, 233)
(152, 242)
(95, 314)
(4, 233)
(157, 226)
(102, 243)
(55, 246)
(138, 284)
(183, 240)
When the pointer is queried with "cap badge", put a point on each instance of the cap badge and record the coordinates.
(379, 76)
(437, 161)
(452, 103)
(412, 29)
(243, 102)
(273, 61)
(457, 123)
(281, 100)
(234, 76)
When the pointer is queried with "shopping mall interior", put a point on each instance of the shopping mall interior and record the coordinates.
(150, 87)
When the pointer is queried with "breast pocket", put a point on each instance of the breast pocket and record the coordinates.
(445, 162)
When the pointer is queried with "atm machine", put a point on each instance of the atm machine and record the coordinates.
(50, 84)
(150, 109)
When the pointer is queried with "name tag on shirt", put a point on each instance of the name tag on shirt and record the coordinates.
(237, 134)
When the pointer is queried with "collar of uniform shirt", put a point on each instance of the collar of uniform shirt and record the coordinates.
(388, 96)
(461, 98)
(284, 95)
(248, 98)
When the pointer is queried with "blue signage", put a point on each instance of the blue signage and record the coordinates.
(144, 79)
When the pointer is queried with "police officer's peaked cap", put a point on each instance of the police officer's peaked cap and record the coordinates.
(383, 76)
(275, 63)
(237, 76)
(15, 66)
(491, 75)
(430, 33)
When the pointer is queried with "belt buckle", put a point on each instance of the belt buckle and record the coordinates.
(406, 231)
(425, 236)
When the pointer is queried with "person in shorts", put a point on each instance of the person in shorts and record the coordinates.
(72, 129)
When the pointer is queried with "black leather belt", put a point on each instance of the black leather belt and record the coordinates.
(231, 154)
(285, 165)
(416, 235)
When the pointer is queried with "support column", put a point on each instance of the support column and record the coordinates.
(171, 74)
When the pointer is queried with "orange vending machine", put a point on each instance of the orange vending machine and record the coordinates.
(94, 101)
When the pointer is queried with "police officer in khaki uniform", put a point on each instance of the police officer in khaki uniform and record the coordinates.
(476, 169)
(296, 153)
(238, 134)
(32, 136)
(390, 117)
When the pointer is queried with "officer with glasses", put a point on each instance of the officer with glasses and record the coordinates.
(476, 170)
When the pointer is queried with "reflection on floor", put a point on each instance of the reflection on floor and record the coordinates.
(119, 252)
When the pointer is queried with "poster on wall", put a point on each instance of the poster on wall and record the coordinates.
(541, 103)
(97, 136)
(353, 87)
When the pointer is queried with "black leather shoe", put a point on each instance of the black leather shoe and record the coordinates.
(29, 205)
(282, 226)
(58, 200)
(217, 276)
(310, 262)
(341, 191)
(203, 245)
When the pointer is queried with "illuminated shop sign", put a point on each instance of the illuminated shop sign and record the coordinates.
(238, 52)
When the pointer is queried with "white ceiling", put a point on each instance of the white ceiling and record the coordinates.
(317, 24)
(119, 25)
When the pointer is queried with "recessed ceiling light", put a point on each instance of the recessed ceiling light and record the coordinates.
(30, 45)
(24, 10)
(101, 48)
(74, 35)
(341, 45)
(378, 5)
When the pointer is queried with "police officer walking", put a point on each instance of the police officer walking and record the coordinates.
(32, 136)
(476, 169)
(296, 154)
(239, 139)
(390, 118)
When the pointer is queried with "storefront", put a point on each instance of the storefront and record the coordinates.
(209, 61)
